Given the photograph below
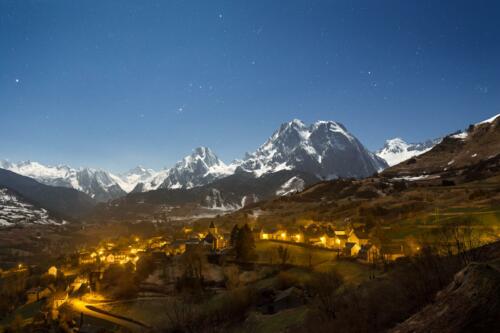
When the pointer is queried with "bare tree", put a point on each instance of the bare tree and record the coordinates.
(325, 287)
(283, 254)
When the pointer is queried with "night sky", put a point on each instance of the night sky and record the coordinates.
(114, 84)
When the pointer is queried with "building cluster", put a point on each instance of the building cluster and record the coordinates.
(123, 253)
(346, 240)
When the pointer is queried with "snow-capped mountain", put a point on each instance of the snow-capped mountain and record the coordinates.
(14, 211)
(129, 180)
(397, 150)
(325, 149)
(98, 184)
(197, 169)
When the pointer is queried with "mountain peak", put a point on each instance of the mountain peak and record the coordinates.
(297, 122)
(397, 150)
(200, 155)
(325, 149)
(203, 152)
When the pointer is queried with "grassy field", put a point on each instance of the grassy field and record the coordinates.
(321, 260)
(299, 255)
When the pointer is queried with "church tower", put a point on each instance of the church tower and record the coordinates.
(212, 229)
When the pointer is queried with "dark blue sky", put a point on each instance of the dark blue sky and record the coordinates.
(114, 84)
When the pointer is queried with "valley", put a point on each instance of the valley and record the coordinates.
(280, 251)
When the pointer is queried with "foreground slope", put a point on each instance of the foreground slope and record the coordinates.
(471, 303)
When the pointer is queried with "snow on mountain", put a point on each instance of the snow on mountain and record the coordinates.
(325, 149)
(293, 185)
(397, 150)
(15, 211)
(489, 120)
(98, 184)
(460, 135)
(199, 168)
(129, 180)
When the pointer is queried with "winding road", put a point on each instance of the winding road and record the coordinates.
(89, 309)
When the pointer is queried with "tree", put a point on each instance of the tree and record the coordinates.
(325, 287)
(118, 280)
(245, 244)
(234, 236)
(283, 254)
(145, 267)
(192, 263)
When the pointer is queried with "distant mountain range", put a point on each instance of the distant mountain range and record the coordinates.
(294, 157)
(197, 169)
(98, 184)
(324, 149)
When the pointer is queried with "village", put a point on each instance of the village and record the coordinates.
(346, 242)
(210, 259)
(87, 267)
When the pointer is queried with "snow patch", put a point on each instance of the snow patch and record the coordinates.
(293, 185)
(461, 135)
(489, 120)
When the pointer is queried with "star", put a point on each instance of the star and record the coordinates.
(17, 80)
(180, 109)
(220, 16)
